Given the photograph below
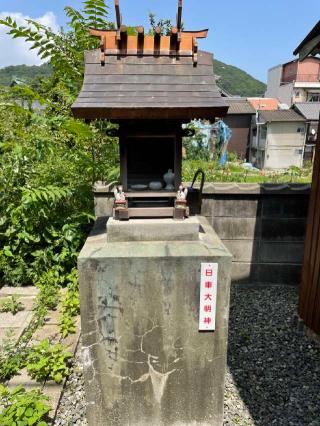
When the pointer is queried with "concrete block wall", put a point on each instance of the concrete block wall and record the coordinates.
(263, 226)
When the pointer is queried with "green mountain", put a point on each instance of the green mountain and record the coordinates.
(24, 73)
(236, 81)
(232, 79)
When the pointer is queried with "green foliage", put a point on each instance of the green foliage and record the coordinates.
(11, 365)
(48, 163)
(21, 408)
(196, 147)
(11, 361)
(47, 361)
(11, 305)
(49, 286)
(26, 73)
(70, 306)
(294, 172)
(13, 354)
(234, 172)
(236, 81)
(164, 24)
(67, 325)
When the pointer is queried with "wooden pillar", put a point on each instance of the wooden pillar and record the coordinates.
(309, 298)
(123, 155)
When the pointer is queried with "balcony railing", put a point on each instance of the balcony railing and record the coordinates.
(305, 78)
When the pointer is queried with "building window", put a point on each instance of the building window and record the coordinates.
(298, 151)
(300, 130)
(313, 97)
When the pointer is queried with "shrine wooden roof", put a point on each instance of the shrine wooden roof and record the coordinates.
(149, 76)
(149, 87)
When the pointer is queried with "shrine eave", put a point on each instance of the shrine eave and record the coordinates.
(149, 87)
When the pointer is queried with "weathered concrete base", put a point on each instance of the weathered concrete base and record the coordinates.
(153, 230)
(145, 362)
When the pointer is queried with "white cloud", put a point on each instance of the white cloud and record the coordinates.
(16, 51)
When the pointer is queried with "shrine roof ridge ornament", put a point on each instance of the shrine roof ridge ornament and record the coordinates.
(179, 43)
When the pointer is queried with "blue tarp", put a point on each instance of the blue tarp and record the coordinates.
(222, 134)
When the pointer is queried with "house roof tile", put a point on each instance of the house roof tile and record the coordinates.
(264, 104)
(280, 115)
(309, 110)
(239, 106)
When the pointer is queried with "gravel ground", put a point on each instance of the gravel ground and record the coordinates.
(71, 409)
(273, 373)
(274, 370)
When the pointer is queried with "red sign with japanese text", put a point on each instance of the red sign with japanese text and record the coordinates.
(208, 296)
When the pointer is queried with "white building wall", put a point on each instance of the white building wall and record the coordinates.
(285, 145)
(285, 93)
(299, 95)
(274, 80)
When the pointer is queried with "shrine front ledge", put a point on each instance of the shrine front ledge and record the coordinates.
(153, 229)
(203, 241)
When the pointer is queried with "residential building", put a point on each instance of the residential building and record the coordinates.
(295, 81)
(310, 111)
(239, 118)
(278, 140)
(264, 104)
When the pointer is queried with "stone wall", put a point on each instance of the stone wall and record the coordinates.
(262, 225)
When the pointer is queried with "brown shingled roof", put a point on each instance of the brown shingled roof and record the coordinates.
(149, 87)
(239, 106)
(280, 115)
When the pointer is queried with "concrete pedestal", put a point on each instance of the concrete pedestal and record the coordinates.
(153, 230)
(145, 362)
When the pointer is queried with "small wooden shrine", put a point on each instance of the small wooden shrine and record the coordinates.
(155, 351)
(150, 85)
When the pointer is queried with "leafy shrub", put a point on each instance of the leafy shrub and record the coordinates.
(67, 325)
(13, 354)
(47, 361)
(49, 285)
(70, 306)
(12, 305)
(10, 366)
(47, 166)
(11, 358)
(23, 408)
(196, 147)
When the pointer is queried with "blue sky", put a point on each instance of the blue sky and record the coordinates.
(250, 34)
